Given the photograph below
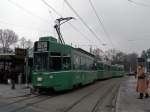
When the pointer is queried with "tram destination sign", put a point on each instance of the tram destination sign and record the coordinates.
(41, 46)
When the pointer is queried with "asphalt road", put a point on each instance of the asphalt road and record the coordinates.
(97, 97)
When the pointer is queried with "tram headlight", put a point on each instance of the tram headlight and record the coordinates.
(51, 77)
(39, 78)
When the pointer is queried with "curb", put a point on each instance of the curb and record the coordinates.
(117, 100)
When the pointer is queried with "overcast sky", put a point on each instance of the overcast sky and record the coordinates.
(127, 23)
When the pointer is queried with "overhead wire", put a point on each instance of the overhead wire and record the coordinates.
(81, 19)
(139, 3)
(51, 8)
(27, 11)
(79, 31)
(24, 27)
(63, 3)
(101, 23)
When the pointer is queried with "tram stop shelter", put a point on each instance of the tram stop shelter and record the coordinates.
(16, 59)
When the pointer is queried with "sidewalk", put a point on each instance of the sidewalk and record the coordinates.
(127, 98)
(7, 92)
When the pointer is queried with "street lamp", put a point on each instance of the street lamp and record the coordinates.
(148, 61)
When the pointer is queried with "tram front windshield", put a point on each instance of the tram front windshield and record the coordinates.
(40, 61)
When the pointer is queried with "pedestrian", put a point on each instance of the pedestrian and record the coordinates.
(8, 77)
(135, 73)
(13, 77)
(141, 83)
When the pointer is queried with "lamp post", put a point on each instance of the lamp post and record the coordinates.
(148, 62)
(26, 68)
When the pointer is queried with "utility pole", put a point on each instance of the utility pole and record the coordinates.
(91, 50)
(130, 68)
(27, 67)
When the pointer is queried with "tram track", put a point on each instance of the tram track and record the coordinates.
(82, 98)
(27, 98)
(31, 101)
(77, 91)
(18, 101)
(100, 99)
(31, 104)
(100, 103)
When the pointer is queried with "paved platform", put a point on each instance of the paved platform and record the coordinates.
(127, 100)
(7, 92)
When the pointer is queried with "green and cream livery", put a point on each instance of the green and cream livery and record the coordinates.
(61, 67)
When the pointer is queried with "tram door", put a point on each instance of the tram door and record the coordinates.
(55, 61)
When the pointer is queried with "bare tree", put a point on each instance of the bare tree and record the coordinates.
(7, 38)
(111, 54)
(22, 42)
(132, 59)
(25, 43)
(29, 44)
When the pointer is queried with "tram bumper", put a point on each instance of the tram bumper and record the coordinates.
(42, 80)
(57, 80)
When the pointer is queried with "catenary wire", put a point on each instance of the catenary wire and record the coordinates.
(139, 3)
(27, 11)
(101, 23)
(81, 19)
(19, 26)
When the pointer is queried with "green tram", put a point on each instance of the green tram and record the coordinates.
(61, 67)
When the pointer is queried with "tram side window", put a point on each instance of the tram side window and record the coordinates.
(82, 63)
(77, 60)
(90, 64)
(66, 62)
(105, 67)
(109, 68)
(101, 66)
(55, 61)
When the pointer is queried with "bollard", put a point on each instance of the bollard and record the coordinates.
(20, 78)
(13, 84)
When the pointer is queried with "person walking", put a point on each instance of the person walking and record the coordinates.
(13, 77)
(141, 83)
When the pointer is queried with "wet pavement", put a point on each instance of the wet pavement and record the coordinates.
(127, 100)
(7, 92)
(102, 96)
(97, 97)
